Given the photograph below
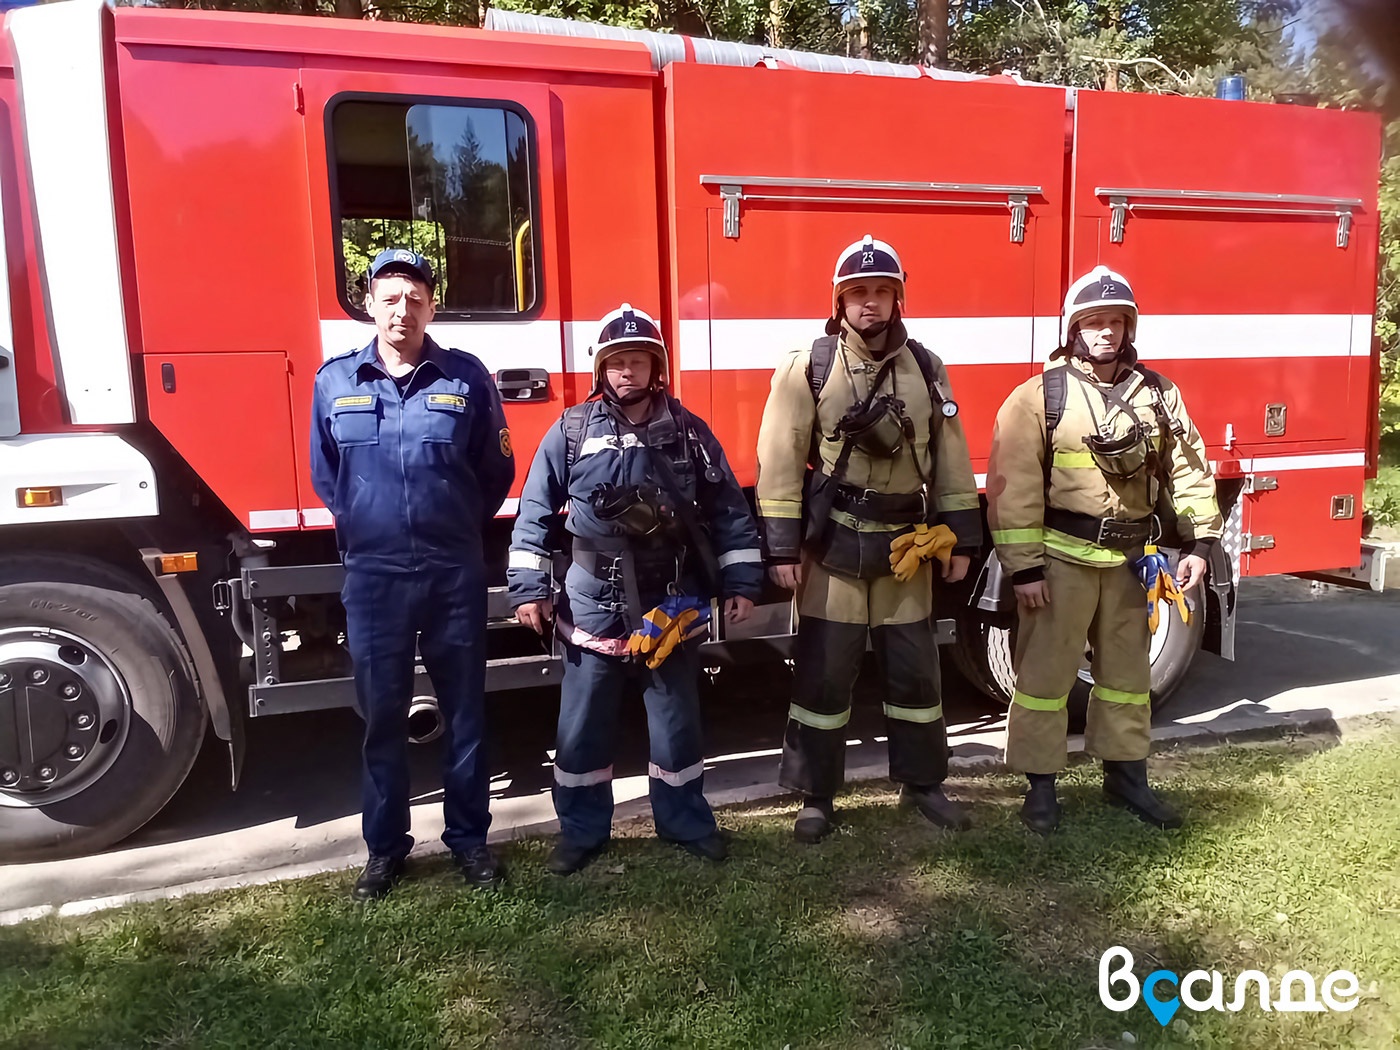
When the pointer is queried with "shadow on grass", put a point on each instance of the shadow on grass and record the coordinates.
(889, 934)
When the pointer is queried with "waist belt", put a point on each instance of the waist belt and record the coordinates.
(889, 508)
(1106, 532)
(608, 559)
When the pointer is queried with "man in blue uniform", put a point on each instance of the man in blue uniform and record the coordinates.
(410, 451)
(656, 527)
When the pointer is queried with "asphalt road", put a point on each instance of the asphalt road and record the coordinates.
(1300, 648)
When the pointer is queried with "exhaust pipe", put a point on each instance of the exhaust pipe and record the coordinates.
(425, 722)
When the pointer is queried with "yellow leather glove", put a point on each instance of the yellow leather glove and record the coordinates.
(1164, 591)
(910, 549)
(676, 632)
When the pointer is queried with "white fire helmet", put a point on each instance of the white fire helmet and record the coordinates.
(1100, 289)
(865, 258)
(627, 328)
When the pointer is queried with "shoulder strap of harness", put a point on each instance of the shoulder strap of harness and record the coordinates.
(819, 366)
(575, 422)
(1055, 390)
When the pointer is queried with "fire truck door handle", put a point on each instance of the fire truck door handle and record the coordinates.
(523, 384)
(167, 376)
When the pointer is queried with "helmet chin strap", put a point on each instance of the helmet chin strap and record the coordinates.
(612, 397)
(879, 328)
(1080, 348)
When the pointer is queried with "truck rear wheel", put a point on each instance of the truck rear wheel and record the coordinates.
(100, 716)
(983, 655)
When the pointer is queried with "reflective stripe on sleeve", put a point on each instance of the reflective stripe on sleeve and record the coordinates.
(1073, 460)
(1117, 696)
(1037, 703)
(739, 557)
(780, 508)
(680, 777)
(914, 714)
(527, 560)
(818, 721)
(583, 780)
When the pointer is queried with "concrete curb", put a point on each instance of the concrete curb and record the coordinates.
(1247, 725)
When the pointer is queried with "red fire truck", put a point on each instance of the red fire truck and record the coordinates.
(189, 201)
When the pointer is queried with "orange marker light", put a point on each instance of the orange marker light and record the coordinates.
(52, 497)
(170, 563)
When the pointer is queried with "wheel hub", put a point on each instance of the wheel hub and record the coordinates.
(64, 715)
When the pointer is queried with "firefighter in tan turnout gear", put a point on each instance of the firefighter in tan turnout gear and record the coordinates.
(1080, 456)
(890, 489)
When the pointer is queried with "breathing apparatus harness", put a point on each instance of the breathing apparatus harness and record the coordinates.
(879, 426)
(660, 526)
(1123, 457)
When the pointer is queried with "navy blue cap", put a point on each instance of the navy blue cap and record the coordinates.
(401, 260)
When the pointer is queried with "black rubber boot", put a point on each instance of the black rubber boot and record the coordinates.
(1041, 810)
(814, 820)
(1125, 784)
(566, 857)
(713, 847)
(380, 876)
(936, 807)
(479, 867)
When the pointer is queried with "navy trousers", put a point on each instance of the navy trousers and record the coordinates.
(583, 764)
(441, 612)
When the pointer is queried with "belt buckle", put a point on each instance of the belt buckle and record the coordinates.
(1115, 535)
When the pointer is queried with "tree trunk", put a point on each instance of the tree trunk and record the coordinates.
(349, 9)
(933, 32)
(775, 23)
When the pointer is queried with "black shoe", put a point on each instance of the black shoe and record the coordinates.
(712, 847)
(1041, 810)
(566, 858)
(479, 867)
(380, 876)
(1125, 784)
(936, 807)
(814, 821)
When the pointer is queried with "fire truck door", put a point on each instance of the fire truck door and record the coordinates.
(1249, 234)
(450, 168)
(783, 192)
(9, 389)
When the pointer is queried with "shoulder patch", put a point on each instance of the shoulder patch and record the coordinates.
(455, 400)
(505, 443)
(353, 401)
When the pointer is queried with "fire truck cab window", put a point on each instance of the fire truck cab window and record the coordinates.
(453, 182)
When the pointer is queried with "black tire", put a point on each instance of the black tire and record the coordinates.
(115, 625)
(988, 653)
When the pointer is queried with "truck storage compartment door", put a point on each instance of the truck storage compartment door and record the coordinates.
(1249, 233)
(450, 168)
(764, 204)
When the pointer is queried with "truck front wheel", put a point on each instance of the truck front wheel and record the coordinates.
(100, 716)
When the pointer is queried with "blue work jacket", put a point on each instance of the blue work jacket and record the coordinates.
(411, 477)
(611, 451)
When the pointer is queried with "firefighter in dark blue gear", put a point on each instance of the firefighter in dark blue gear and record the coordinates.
(410, 452)
(656, 527)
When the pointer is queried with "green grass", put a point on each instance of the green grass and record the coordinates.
(890, 934)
